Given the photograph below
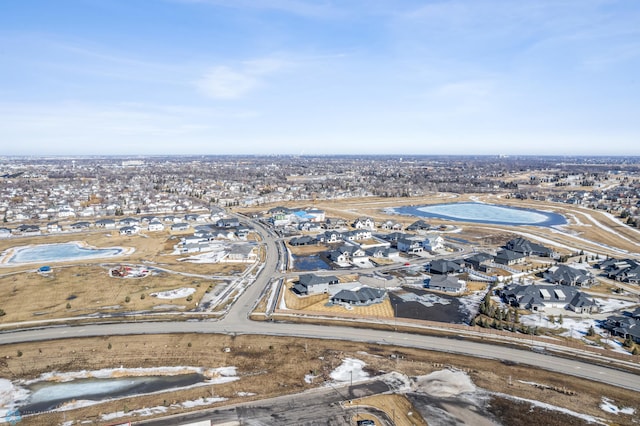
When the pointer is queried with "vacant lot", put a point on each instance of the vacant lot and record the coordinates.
(271, 366)
(78, 288)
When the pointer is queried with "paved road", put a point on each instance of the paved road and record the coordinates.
(560, 365)
(320, 406)
(236, 321)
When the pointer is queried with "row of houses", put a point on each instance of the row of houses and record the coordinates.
(126, 226)
(356, 295)
(624, 270)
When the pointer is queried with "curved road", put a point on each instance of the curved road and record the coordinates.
(236, 321)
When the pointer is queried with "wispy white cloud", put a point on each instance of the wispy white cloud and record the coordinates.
(304, 8)
(78, 127)
(224, 82)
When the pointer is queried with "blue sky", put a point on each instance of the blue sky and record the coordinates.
(319, 77)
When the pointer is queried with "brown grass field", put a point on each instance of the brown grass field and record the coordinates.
(270, 366)
(75, 289)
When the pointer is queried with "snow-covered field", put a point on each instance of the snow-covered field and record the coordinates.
(178, 293)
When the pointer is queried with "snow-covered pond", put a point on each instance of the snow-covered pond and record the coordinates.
(484, 213)
(44, 253)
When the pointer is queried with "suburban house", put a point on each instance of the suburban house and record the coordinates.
(228, 222)
(380, 252)
(626, 270)
(129, 221)
(443, 267)
(623, 326)
(79, 226)
(28, 230)
(182, 226)
(566, 275)
(335, 223)
(129, 230)
(53, 227)
(480, 262)
(446, 283)
(509, 257)
(419, 225)
(241, 253)
(582, 304)
(362, 296)
(305, 240)
(331, 236)
(105, 223)
(390, 225)
(411, 245)
(156, 226)
(433, 242)
(5, 232)
(347, 253)
(357, 234)
(364, 223)
(314, 284)
(539, 297)
(528, 248)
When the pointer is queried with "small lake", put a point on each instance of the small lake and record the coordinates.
(313, 262)
(484, 213)
(48, 396)
(44, 253)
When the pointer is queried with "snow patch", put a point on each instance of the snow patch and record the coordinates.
(9, 395)
(350, 370)
(141, 412)
(445, 383)
(178, 293)
(608, 406)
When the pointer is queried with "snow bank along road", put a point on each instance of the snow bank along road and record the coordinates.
(236, 321)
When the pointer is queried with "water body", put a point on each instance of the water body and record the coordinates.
(48, 396)
(310, 263)
(59, 252)
(484, 213)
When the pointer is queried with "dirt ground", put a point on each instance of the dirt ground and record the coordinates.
(80, 288)
(270, 366)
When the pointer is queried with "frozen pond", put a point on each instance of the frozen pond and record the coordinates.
(48, 396)
(58, 252)
(484, 213)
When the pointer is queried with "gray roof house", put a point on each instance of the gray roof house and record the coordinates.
(443, 267)
(509, 257)
(419, 225)
(626, 270)
(623, 326)
(362, 296)
(566, 275)
(528, 248)
(314, 284)
(539, 297)
(582, 304)
(446, 283)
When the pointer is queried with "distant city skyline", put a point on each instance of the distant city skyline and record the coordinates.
(302, 77)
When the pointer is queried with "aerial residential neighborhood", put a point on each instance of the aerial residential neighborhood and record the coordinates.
(108, 240)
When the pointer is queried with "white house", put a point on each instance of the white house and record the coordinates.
(364, 223)
(156, 226)
(433, 242)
